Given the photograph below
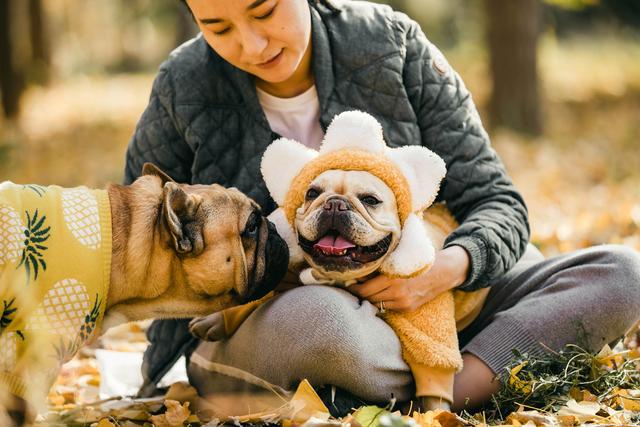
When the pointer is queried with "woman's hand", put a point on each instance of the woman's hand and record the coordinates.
(448, 271)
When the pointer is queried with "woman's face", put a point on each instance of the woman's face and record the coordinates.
(266, 38)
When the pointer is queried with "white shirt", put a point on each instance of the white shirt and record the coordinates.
(296, 118)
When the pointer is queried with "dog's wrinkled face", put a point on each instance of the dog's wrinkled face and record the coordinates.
(227, 246)
(348, 224)
(228, 252)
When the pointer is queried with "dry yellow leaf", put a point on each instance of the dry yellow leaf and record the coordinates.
(527, 418)
(516, 382)
(575, 393)
(608, 358)
(69, 396)
(132, 413)
(628, 401)
(94, 380)
(175, 416)
(426, 419)
(447, 419)
(583, 411)
(579, 395)
(588, 396)
(634, 354)
(56, 399)
(312, 404)
(193, 419)
(105, 423)
(566, 420)
(86, 415)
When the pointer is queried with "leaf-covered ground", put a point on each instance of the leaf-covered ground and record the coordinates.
(581, 181)
(566, 388)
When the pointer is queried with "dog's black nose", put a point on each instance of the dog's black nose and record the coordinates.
(336, 205)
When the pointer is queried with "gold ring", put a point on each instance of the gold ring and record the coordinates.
(382, 310)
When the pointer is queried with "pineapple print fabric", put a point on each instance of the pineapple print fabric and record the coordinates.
(55, 264)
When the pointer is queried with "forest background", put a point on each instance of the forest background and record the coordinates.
(557, 84)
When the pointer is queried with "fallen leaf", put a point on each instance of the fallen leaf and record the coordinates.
(566, 420)
(608, 358)
(516, 382)
(369, 416)
(175, 416)
(311, 404)
(56, 399)
(131, 414)
(447, 419)
(85, 415)
(304, 404)
(583, 411)
(321, 422)
(529, 418)
(427, 419)
(628, 400)
(588, 396)
(182, 392)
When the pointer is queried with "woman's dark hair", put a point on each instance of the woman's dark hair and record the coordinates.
(326, 3)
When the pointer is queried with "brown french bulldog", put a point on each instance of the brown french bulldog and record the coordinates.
(74, 262)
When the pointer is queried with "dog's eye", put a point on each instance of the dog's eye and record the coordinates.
(252, 224)
(370, 200)
(312, 193)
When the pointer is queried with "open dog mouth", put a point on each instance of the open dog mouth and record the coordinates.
(333, 248)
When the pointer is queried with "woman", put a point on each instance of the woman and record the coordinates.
(268, 68)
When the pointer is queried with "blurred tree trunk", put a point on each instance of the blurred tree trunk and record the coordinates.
(11, 79)
(39, 43)
(512, 33)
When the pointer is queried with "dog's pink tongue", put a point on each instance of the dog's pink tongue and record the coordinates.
(333, 244)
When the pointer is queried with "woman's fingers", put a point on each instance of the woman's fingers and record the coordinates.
(370, 287)
(386, 293)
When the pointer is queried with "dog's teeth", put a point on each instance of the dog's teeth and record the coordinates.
(342, 252)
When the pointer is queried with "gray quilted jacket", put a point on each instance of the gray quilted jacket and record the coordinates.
(204, 124)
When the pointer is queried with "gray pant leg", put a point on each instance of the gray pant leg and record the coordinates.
(323, 334)
(589, 297)
(326, 335)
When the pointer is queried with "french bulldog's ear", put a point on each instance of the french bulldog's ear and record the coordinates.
(151, 169)
(179, 210)
(424, 171)
(285, 231)
(281, 162)
(414, 252)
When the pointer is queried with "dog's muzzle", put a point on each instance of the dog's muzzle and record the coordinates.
(336, 215)
(334, 248)
(276, 263)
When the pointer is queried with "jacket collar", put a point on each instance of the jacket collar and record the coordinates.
(322, 64)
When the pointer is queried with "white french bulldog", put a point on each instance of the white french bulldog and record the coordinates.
(357, 208)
